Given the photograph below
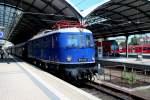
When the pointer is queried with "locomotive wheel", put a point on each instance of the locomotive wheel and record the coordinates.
(61, 72)
(40, 64)
(34, 62)
(46, 66)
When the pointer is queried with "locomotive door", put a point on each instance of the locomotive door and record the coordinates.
(100, 52)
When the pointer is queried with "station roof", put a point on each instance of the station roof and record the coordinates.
(24, 18)
(120, 17)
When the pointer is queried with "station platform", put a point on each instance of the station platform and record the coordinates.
(134, 55)
(129, 62)
(22, 81)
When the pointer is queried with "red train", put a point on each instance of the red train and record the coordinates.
(137, 49)
(109, 48)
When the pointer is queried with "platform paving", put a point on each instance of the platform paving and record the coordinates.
(128, 62)
(22, 81)
(15, 84)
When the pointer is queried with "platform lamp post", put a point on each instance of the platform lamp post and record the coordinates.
(140, 56)
(127, 37)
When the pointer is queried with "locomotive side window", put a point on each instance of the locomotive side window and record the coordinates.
(37, 43)
(53, 41)
(81, 41)
(45, 42)
(87, 40)
(44, 39)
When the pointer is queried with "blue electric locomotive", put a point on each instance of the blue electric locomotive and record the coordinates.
(69, 50)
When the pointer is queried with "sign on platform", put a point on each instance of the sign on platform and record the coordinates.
(1, 34)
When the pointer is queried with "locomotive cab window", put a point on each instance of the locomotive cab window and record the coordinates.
(80, 41)
(73, 41)
(89, 41)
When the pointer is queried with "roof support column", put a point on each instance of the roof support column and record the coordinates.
(82, 20)
(127, 37)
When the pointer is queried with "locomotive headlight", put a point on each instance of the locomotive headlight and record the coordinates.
(93, 58)
(69, 58)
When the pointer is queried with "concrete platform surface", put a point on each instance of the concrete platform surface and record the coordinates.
(142, 93)
(128, 62)
(22, 81)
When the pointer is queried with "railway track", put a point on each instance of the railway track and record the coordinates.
(110, 93)
(98, 93)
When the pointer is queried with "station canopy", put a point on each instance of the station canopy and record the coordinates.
(21, 19)
(120, 17)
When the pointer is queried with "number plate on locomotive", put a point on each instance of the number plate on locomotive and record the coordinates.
(82, 59)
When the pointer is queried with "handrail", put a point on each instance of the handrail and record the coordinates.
(67, 24)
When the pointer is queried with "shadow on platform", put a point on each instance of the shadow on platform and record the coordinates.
(8, 59)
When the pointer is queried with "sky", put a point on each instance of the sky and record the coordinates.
(84, 4)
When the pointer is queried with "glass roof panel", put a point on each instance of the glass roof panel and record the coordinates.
(95, 20)
(9, 17)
